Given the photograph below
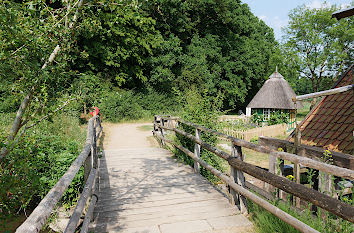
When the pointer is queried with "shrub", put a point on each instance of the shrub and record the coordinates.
(157, 103)
(120, 105)
(203, 110)
(278, 117)
(37, 163)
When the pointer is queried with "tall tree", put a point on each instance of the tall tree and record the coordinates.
(32, 34)
(318, 45)
(219, 45)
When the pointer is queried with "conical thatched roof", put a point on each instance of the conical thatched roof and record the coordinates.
(275, 93)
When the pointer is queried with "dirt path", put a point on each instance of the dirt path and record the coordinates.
(128, 135)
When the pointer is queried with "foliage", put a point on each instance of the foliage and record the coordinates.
(119, 105)
(203, 110)
(215, 45)
(157, 102)
(114, 42)
(33, 167)
(257, 118)
(267, 222)
(275, 117)
(318, 46)
(278, 117)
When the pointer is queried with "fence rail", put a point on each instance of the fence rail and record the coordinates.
(237, 181)
(271, 131)
(88, 157)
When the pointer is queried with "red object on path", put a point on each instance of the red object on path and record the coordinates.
(94, 111)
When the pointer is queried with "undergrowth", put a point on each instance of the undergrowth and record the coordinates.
(203, 110)
(35, 165)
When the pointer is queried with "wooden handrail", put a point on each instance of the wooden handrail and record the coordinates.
(79, 208)
(328, 203)
(40, 214)
(323, 93)
(328, 168)
(253, 197)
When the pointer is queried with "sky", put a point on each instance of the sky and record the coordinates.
(275, 12)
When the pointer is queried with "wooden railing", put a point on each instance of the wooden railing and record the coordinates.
(88, 157)
(239, 187)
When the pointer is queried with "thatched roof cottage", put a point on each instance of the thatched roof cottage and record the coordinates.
(275, 94)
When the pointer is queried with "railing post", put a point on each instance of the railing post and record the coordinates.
(197, 151)
(238, 177)
(272, 169)
(155, 122)
(162, 131)
(94, 146)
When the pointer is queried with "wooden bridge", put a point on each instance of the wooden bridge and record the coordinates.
(134, 187)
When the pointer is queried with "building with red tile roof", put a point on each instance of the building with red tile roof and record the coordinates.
(330, 124)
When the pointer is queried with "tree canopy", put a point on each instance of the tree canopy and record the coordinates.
(318, 46)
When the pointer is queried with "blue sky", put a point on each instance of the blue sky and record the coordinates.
(275, 12)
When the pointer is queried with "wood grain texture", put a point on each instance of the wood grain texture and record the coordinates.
(145, 188)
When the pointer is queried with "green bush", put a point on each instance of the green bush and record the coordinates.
(37, 163)
(203, 110)
(120, 105)
(157, 103)
(276, 117)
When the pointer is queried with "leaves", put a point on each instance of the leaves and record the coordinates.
(319, 43)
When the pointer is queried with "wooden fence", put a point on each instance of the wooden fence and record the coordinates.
(239, 186)
(271, 131)
(88, 157)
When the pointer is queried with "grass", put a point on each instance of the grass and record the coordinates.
(145, 128)
(301, 113)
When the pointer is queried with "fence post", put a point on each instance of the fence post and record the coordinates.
(94, 142)
(272, 169)
(155, 128)
(197, 151)
(239, 179)
(280, 172)
(162, 131)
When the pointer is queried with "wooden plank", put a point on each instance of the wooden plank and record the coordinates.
(332, 205)
(324, 93)
(40, 214)
(334, 170)
(328, 203)
(238, 177)
(89, 214)
(339, 159)
(81, 203)
(259, 201)
(143, 208)
(122, 222)
(197, 151)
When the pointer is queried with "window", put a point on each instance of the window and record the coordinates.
(266, 114)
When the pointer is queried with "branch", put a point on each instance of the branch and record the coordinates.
(76, 14)
(67, 13)
(20, 112)
(37, 122)
(17, 123)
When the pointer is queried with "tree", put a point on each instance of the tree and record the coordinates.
(216, 45)
(115, 43)
(32, 34)
(319, 46)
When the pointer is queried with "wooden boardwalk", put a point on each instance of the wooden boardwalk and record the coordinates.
(146, 190)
